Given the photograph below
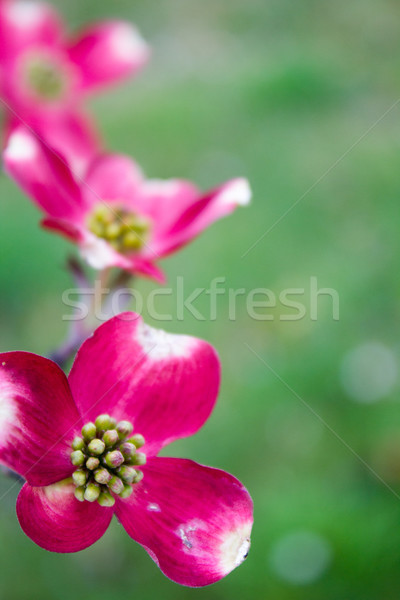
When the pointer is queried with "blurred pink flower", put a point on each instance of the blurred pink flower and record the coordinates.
(44, 74)
(116, 216)
(71, 439)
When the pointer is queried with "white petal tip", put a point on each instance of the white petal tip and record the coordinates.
(8, 414)
(128, 45)
(166, 188)
(25, 14)
(238, 193)
(159, 344)
(21, 147)
(97, 253)
(235, 548)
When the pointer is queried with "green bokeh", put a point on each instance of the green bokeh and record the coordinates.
(291, 95)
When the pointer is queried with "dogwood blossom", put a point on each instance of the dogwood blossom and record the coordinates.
(116, 216)
(87, 447)
(45, 74)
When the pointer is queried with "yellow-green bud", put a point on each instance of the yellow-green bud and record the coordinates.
(114, 459)
(80, 493)
(126, 473)
(128, 450)
(92, 492)
(103, 422)
(92, 463)
(105, 499)
(113, 230)
(110, 437)
(116, 485)
(89, 431)
(138, 477)
(126, 492)
(78, 444)
(124, 429)
(139, 459)
(96, 447)
(137, 439)
(79, 477)
(102, 476)
(131, 240)
(77, 458)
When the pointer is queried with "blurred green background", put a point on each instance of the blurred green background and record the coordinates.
(291, 95)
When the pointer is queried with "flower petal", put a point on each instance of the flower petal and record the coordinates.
(99, 253)
(108, 52)
(194, 521)
(38, 418)
(162, 202)
(26, 23)
(166, 384)
(71, 134)
(113, 177)
(65, 228)
(53, 518)
(138, 264)
(183, 215)
(74, 136)
(43, 175)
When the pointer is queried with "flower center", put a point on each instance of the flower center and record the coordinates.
(123, 229)
(107, 460)
(44, 78)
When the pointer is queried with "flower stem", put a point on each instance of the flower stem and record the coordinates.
(12, 474)
(80, 330)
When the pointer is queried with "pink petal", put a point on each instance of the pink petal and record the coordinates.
(26, 23)
(43, 175)
(65, 228)
(74, 136)
(53, 518)
(108, 52)
(71, 134)
(166, 384)
(194, 521)
(38, 418)
(190, 220)
(112, 177)
(146, 268)
(162, 202)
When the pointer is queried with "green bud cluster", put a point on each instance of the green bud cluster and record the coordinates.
(44, 78)
(107, 460)
(123, 229)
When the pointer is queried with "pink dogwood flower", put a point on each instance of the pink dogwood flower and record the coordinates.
(76, 442)
(45, 74)
(116, 217)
